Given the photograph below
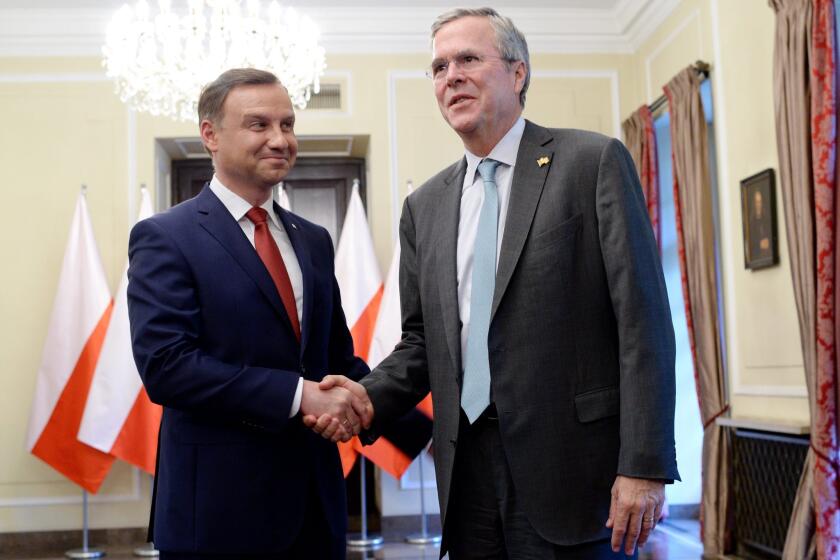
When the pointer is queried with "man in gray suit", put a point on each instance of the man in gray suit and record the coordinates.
(534, 309)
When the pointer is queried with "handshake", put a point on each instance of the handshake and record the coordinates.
(337, 407)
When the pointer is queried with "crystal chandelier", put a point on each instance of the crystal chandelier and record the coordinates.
(161, 61)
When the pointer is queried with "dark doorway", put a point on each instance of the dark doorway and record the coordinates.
(318, 187)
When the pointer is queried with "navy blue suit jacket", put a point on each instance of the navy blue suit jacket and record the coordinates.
(215, 347)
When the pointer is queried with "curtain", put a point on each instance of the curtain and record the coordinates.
(695, 236)
(641, 143)
(805, 95)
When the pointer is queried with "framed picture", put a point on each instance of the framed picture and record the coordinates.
(758, 213)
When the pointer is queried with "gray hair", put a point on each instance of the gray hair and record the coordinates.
(213, 95)
(510, 42)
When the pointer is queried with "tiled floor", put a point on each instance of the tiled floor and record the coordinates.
(672, 540)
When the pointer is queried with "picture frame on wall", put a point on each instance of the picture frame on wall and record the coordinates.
(758, 214)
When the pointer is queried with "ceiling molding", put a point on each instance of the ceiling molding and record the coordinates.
(647, 20)
(620, 29)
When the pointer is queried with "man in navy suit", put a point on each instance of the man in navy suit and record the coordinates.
(235, 316)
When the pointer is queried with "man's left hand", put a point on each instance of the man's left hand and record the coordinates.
(635, 508)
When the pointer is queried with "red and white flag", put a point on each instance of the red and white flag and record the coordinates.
(409, 435)
(119, 418)
(80, 316)
(282, 198)
(360, 282)
(388, 330)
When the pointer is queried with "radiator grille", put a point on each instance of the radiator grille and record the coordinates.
(767, 468)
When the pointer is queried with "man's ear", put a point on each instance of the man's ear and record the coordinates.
(519, 75)
(208, 135)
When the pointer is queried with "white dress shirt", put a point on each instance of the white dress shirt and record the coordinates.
(472, 197)
(238, 208)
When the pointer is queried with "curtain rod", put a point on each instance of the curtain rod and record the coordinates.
(702, 68)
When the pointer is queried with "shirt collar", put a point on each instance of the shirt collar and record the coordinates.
(238, 206)
(504, 152)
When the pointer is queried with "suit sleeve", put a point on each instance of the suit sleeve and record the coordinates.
(165, 317)
(645, 332)
(401, 380)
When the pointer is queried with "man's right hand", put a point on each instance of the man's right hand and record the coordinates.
(337, 409)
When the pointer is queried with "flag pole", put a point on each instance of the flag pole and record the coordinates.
(423, 537)
(363, 541)
(85, 551)
(148, 550)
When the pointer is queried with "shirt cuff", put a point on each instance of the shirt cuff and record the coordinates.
(296, 402)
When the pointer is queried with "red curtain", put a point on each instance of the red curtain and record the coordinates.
(824, 433)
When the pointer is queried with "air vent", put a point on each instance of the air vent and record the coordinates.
(338, 146)
(191, 147)
(328, 98)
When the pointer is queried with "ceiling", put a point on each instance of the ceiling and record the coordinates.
(302, 4)
(77, 27)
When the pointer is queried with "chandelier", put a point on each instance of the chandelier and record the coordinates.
(160, 61)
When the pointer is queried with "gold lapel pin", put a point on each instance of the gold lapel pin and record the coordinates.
(542, 161)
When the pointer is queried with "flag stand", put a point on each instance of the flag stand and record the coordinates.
(363, 541)
(85, 551)
(423, 537)
(148, 550)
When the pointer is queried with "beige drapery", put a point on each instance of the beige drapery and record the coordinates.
(695, 230)
(641, 143)
(792, 93)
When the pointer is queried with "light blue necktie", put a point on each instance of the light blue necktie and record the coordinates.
(475, 391)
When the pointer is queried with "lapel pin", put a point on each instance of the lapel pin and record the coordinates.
(294, 226)
(542, 161)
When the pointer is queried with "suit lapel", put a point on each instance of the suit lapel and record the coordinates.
(447, 263)
(215, 218)
(525, 191)
(305, 261)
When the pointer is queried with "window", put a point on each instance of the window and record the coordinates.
(687, 423)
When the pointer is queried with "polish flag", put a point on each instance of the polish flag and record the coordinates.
(408, 436)
(360, 282)
(119, 418)
(76, 331)
(388, 330)
(282, 197)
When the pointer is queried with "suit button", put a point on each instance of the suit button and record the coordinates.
(454, 442)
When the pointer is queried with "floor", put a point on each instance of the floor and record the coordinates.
(672, 540)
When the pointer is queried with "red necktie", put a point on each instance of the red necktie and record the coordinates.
(273, 261)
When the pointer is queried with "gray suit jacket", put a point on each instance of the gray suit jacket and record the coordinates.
(581, 344)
